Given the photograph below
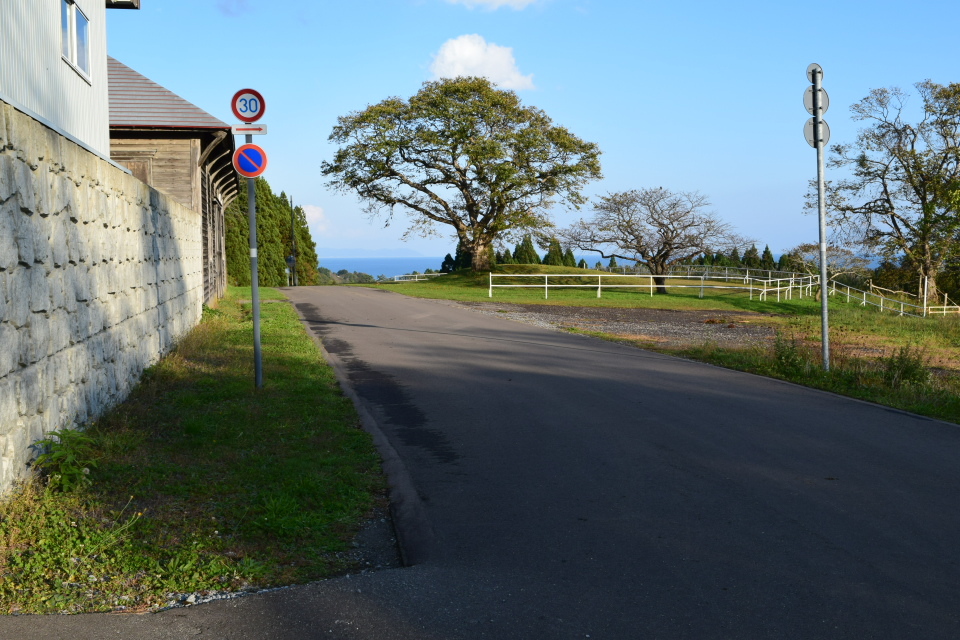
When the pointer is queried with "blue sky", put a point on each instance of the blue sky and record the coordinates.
(686, 95)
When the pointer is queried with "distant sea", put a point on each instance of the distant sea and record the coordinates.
(382, 266)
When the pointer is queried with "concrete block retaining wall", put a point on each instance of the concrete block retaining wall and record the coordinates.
(100, 275)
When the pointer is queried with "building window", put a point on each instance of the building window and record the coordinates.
(75, 36)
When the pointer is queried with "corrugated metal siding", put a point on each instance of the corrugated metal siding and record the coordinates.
(33, 75)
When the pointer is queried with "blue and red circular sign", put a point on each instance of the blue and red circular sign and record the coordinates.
(248, 105)
(250, 160)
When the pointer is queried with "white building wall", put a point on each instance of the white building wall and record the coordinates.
(35, 78)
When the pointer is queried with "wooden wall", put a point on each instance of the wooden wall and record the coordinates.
(169, 165)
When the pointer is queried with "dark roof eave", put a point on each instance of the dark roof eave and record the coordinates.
(167, 127)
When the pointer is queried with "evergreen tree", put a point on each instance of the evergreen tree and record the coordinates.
(751, 257)
(448, 264)
(735, 258)
(554, 256)
(569, 260)
(275, 215)
(766, 260)
(613, 262)
(508, 257)
(785, 263)
(598, 266)
(525, 253)
(462, 259)
(582, 264)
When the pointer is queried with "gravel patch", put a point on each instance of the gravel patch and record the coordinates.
(665, 327)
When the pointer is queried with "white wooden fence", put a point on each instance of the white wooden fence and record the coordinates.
(415, 277)
(783, 287)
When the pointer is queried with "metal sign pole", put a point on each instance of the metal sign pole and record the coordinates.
(818, 125)
(293, 235)
(254, 276)
(250, 161)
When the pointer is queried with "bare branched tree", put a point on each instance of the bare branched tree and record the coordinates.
(903, 198)
(841, 261)
(654, 227)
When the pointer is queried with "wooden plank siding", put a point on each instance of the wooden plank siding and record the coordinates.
(172, 165)
(180, 149)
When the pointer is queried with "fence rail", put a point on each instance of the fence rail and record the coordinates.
(783, 287)
(416, 277)
(648, 282)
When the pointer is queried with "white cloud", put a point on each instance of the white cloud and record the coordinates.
(471, 55)
(317, 220)
(494, 4)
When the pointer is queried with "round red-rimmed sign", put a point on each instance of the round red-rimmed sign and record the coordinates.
(250, 160)
(248, 105)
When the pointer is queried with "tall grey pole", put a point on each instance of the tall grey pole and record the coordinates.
(822, 208)
(293, 235)
(254, 276)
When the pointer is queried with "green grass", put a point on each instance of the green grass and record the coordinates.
(200, 482)
(467, 286)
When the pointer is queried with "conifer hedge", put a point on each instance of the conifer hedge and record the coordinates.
(273, 240)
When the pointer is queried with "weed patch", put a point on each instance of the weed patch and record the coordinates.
(199, 482)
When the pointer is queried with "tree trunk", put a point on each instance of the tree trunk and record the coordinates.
(480, 260)
(661, 283)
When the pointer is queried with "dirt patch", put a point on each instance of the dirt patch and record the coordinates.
(665, 327)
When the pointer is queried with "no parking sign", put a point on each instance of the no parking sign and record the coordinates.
(250, 160)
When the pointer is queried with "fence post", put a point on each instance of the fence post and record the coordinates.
(599, 285)
(701, 287)
(490, 295)
(926, 284)
(546, 286)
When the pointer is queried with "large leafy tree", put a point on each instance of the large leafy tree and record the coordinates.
(654, 227)
(465, 154)
(903, 198)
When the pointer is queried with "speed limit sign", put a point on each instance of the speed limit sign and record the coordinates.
(248, 105)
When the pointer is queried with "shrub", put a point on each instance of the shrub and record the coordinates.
(906, 366)
(66, 460)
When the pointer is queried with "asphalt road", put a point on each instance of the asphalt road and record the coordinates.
(555, 486)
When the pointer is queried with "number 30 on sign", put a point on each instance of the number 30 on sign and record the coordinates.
(248, 105)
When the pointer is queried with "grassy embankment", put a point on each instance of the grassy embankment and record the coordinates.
(899, 361)
(198, 482)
